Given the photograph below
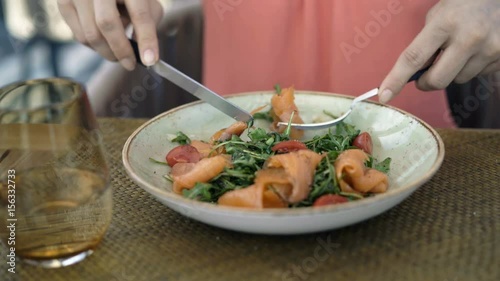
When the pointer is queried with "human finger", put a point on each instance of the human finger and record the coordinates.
(413, 58)
(444, 70)
(111, 27)
(145, 30)
(68, 12)
(472, 68)
(156, 10)
(91, 32)
(492, 67)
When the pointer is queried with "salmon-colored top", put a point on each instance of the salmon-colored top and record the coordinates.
(339, 46)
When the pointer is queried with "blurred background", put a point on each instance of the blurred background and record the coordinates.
(36, 43)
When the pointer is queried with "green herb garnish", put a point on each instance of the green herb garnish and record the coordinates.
(158, 162)
(330, 114)
(201, 192)
(347, 129)
(264, 116)
(277, 89)
(381, 166)
(249, 156)
(384, 166)
(181, 138)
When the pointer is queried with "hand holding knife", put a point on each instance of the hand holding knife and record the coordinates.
(196, 89)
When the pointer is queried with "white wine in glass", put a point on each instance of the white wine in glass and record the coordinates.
(55, 200)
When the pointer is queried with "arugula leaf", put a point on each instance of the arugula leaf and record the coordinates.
(277, 88)
(201, 192)
(329, 142)
(169, 178)
(351, 196)
(250, 122)
(158, 162)
(370, 162)
(325, 180)
(258, 134)
(248, 157)
(384, 166)
(182, 138)
(329, 114)
(347, 130)
(289, 127)
(264, 116)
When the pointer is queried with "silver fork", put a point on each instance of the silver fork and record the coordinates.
(367, 95)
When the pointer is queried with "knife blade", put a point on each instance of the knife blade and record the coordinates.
(196, 89)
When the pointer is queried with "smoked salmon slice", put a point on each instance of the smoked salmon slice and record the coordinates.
(203, 171)
(225, 134)
(285, 179)
(283, 105)
(299, 167)
(355, 177)
(203, 148)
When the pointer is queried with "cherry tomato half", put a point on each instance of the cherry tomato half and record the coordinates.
(184, 154)
(329, 199)
(364, 142)
(288, 146)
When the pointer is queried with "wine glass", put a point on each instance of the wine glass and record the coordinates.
(54, 194)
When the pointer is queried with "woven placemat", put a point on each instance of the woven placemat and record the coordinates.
(448, 230)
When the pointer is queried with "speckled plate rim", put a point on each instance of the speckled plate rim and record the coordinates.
(306, 211)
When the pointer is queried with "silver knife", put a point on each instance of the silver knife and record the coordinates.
(196, 89)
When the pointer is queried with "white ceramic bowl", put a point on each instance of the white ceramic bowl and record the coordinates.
(416, 150)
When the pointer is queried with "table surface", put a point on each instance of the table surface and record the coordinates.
(448, 230)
